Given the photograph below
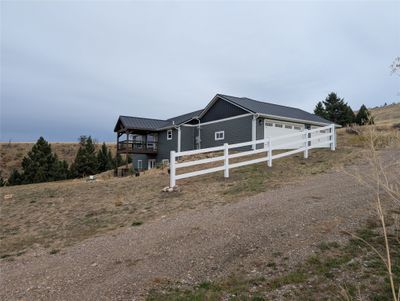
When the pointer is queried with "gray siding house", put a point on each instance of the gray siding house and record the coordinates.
(226, 119)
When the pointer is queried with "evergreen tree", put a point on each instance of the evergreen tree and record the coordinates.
(40, 163)
(86, 160)
(15, 178)
(118, 161)
(363, 116)
(320, 110)
(337, 110)
(104, 159)
(2, 181)
(348, 116)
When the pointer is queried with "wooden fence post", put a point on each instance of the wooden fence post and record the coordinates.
(226, 160)
(172, 180)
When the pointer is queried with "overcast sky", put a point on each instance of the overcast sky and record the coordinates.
(71, 68)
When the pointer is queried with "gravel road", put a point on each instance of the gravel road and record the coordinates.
(193, 245)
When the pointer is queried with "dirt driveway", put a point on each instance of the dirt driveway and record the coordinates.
(193, 246)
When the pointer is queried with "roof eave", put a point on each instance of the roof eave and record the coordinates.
(295, 119)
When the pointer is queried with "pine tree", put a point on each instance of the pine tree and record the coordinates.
(15, 178)
(363, 116)
(118, 161)
(40, 163)
(337, 110)
(104, 159)
(86, 160)
(2, 181)
(320, 110)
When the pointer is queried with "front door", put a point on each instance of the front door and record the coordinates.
(152, 163)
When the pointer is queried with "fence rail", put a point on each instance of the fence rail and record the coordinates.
(309, 139)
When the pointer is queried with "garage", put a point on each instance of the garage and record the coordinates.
(319, 142)
(275, 128)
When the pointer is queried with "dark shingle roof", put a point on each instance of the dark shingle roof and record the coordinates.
(185, 117)
(142, 123)
(251, 105)
(260, 107)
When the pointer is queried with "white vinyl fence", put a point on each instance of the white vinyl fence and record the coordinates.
(309, 139)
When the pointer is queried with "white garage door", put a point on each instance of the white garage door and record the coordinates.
(320, 141)
(276, 129)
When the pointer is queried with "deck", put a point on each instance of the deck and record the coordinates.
(137, 147)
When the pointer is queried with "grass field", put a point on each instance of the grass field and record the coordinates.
(54, 215)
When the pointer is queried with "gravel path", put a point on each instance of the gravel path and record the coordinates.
(193, 245)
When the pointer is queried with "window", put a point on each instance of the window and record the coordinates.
(278, 125)
(169, 135)
(165, 162)
(297, 128)
(288, 126)
(139, 164)
(268, 124)
(219, 135)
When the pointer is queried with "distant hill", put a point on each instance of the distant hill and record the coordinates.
(386, 115)
(12, 153)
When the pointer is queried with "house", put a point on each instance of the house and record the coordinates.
(226, 119)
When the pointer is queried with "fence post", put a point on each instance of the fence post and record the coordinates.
(269, 152)
(306, 146)
(333, 137)
(172, 180)
(226, 160)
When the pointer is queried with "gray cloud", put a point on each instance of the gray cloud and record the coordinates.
(70, 68)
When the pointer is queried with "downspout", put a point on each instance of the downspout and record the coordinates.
(254, 130)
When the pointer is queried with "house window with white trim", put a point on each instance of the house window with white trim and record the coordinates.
(169, 135)
(219, 135)
(165, 162)
(139, 164)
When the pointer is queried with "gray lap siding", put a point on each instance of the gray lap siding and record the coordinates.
(235, 131)
(165, 145)
(144, 158)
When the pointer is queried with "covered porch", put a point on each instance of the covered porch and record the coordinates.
(137, 142)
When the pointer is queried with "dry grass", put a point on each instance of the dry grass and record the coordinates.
(57, 214)
(388, 115)
(12, 153)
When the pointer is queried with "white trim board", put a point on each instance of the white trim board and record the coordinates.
(219, 120)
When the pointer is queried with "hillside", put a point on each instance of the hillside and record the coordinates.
(12, 153)
(387, 115)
